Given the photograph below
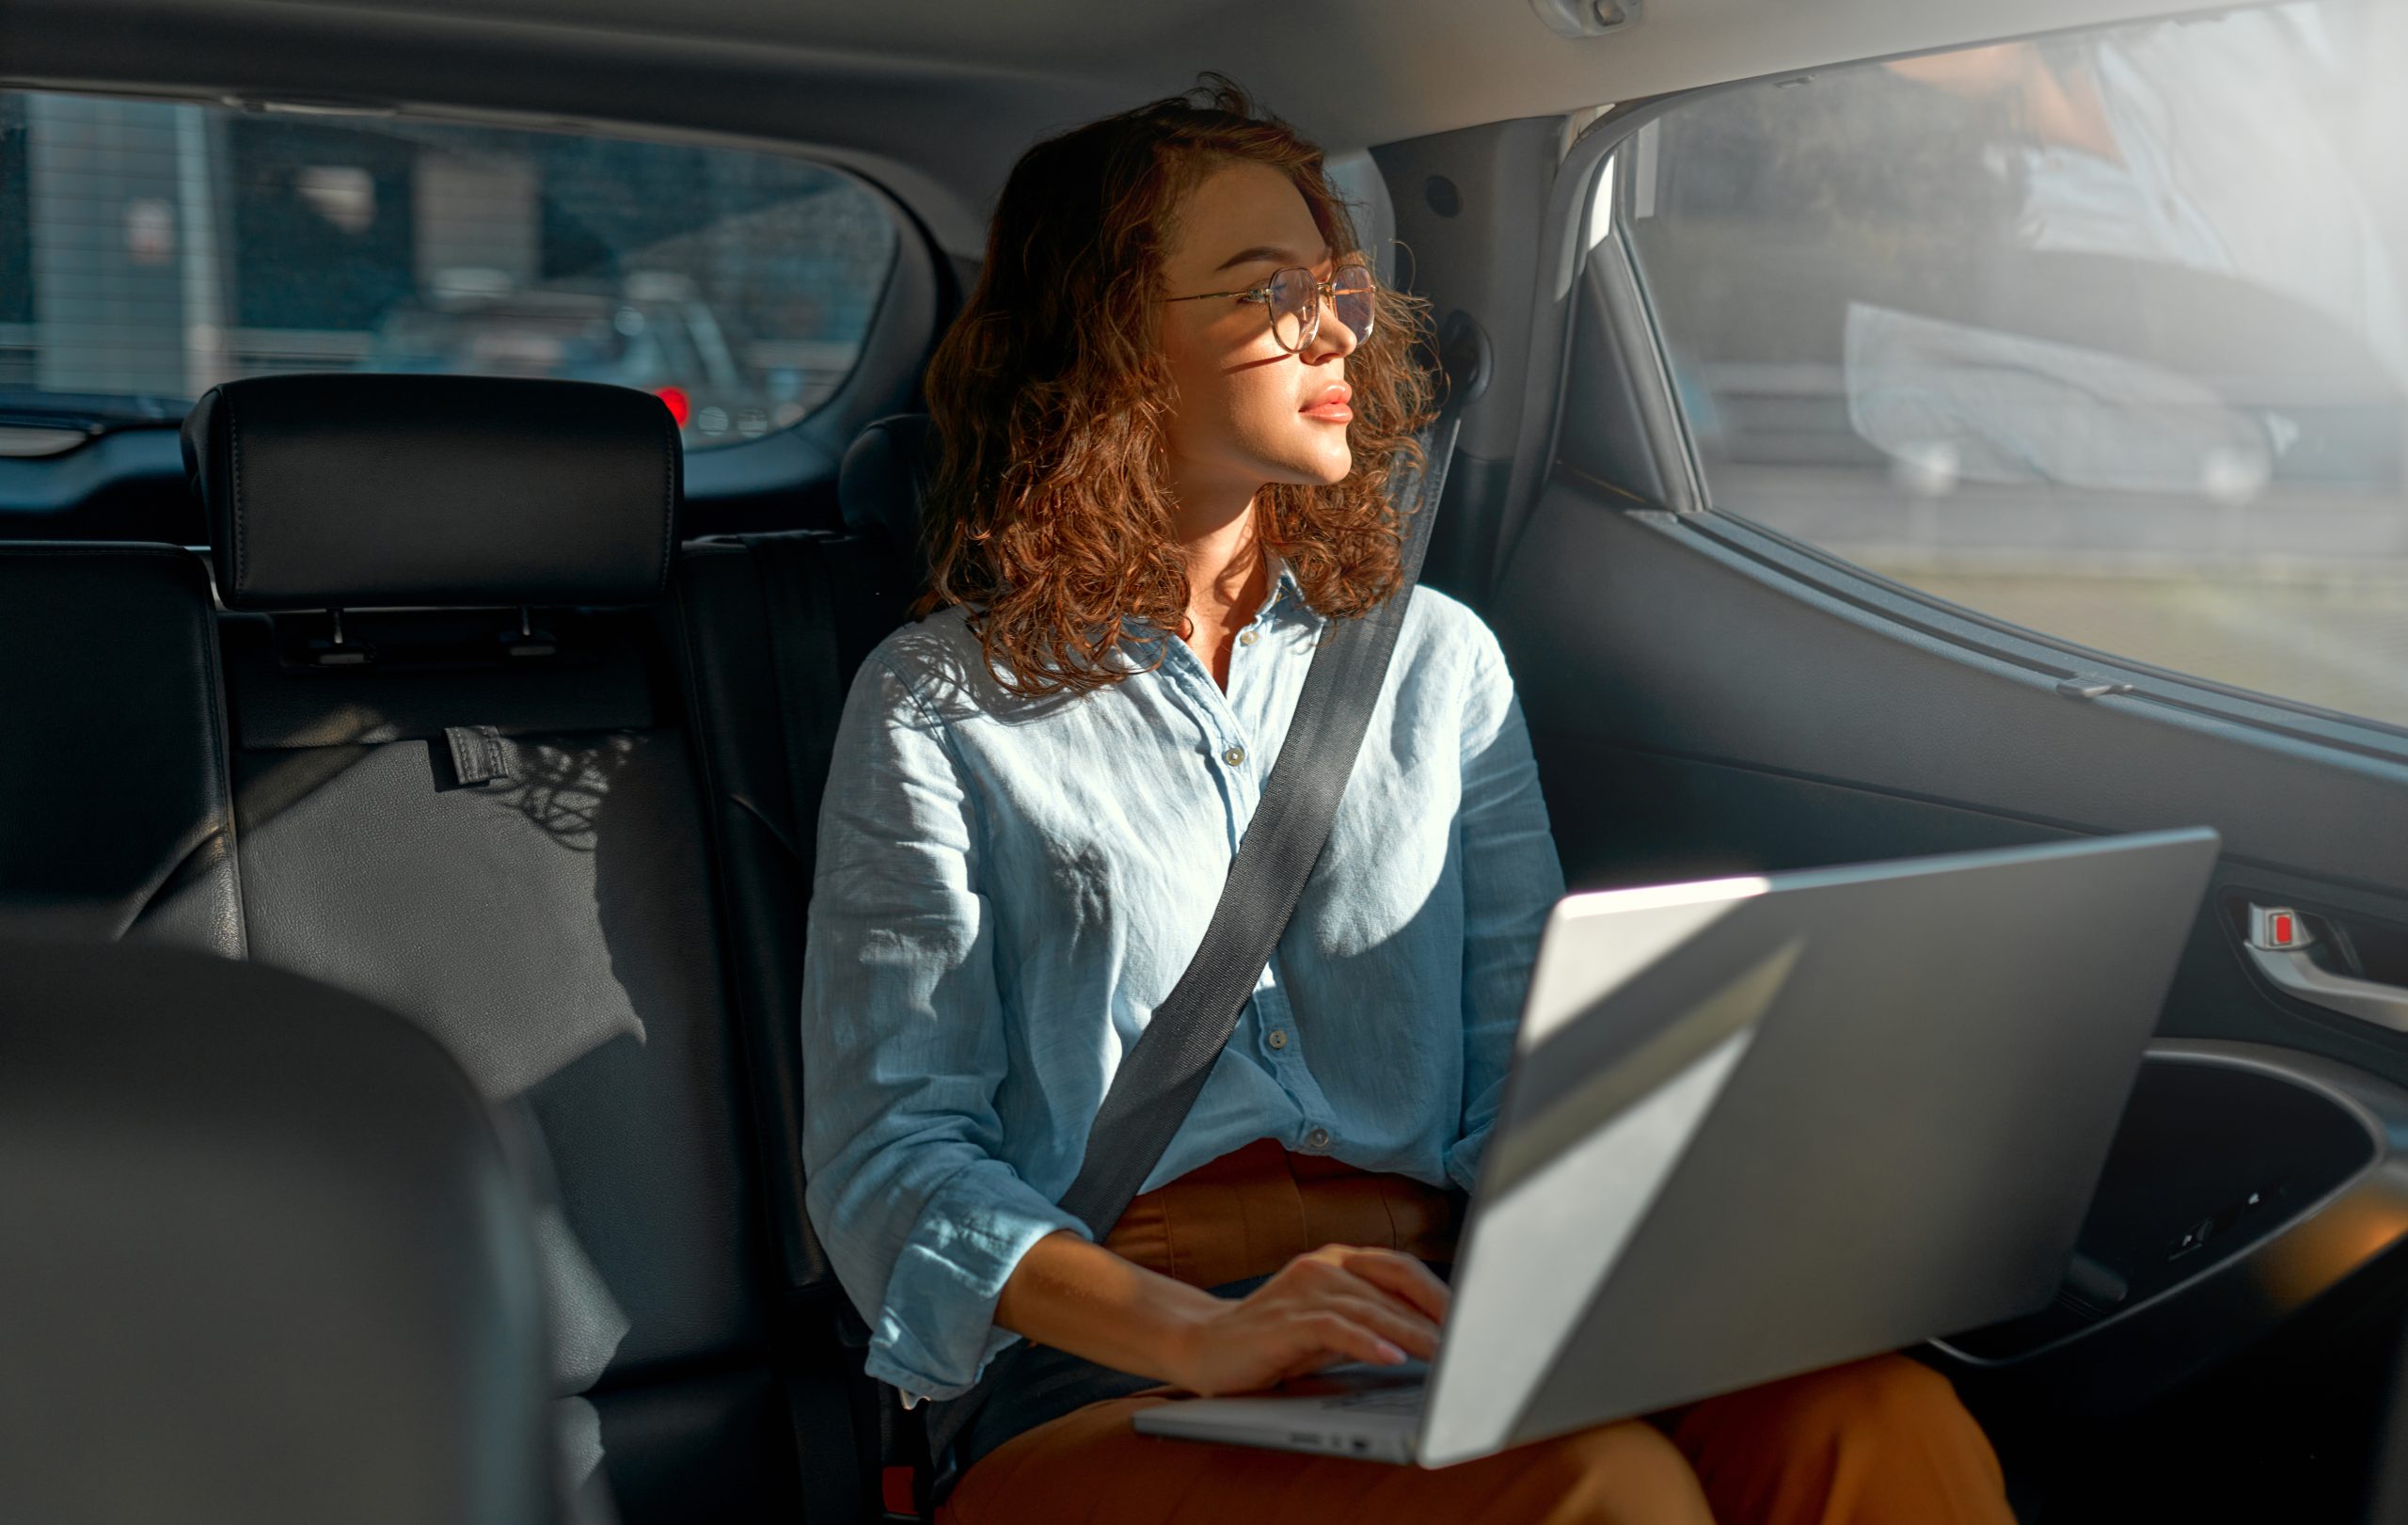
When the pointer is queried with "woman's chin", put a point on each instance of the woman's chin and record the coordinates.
(1320, 468)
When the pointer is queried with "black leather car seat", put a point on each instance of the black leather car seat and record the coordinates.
(464, 789)
(266, 1260)
(115, 818)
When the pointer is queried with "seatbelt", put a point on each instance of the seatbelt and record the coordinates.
(1159, 1080)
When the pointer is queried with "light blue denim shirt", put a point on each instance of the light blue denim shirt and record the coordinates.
(1007, 887)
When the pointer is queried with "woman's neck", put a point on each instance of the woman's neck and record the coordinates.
(1227, 577)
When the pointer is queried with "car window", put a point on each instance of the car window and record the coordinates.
(2105, 334)
(149, 250)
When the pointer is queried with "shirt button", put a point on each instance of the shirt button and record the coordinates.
(1245, 638)
(1319, 1138)
(1278, 1038)
(1233, 756)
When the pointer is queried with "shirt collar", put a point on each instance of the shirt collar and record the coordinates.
(1283, 594)
(1284, 586)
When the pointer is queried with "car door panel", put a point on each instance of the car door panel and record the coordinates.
(1661, 632)
(1700, 708)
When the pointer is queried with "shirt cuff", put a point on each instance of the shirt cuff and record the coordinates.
(1463, 1161)
(936, 1332)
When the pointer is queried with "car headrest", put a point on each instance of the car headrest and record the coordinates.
(365, 491)
(268, 1259)
(885, 472)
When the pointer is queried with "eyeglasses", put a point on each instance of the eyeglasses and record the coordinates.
(1294, 299)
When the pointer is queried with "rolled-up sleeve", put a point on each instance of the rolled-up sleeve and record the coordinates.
(1511, 877)
(903, 1050)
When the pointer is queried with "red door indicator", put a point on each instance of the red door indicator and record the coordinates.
(2277, 928)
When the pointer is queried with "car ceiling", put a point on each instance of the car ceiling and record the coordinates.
(936, 98)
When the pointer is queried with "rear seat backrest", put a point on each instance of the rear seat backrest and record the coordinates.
(115, 816)
(554, 924)
(774, 627)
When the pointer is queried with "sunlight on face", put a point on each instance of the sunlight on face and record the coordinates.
(1247, 412)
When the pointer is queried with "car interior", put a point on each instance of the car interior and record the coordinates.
(1887, 429)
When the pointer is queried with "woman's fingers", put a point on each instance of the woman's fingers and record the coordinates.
(1403, 1277)
(1399, 1285)
(1328, 1331)
(1399, 1327)
(1339, 1304)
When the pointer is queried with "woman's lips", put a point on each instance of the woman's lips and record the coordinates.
(1330, 406)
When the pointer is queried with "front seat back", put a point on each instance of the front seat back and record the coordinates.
(266, 1260)
(117, 819)
(468, 795)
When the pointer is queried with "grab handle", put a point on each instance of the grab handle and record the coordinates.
(2278, 943)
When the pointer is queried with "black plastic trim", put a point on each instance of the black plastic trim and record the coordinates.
(2138, 1352)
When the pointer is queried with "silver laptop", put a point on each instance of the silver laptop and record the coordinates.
(1759, 1126)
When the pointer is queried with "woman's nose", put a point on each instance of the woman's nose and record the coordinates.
(1334, 341)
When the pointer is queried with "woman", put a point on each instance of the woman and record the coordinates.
(1170, 414)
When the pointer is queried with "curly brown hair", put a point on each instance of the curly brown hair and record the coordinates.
(1047, 512)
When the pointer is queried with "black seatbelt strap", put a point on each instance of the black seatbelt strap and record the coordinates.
(1159, 1080)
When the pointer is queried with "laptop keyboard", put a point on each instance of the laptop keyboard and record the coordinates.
(1399, 1399)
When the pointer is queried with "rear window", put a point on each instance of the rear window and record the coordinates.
(150, 250)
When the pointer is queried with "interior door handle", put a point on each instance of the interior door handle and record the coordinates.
(2278, 943)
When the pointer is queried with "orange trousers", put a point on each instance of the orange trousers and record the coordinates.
(1877, 1442)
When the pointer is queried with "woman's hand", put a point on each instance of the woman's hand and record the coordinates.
(1340, 1303)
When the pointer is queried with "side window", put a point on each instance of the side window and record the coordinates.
(2104, 335)
(149, 250)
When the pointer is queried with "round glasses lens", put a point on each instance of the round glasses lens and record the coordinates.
(1295, 308)
(1352, 299)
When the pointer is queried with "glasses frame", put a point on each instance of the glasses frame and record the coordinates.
(1324, 295)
